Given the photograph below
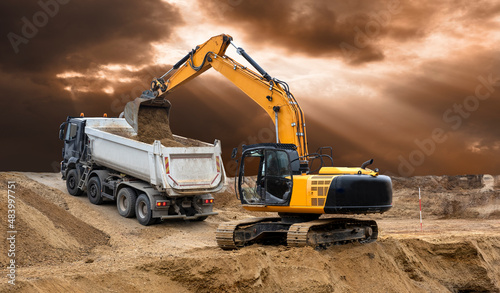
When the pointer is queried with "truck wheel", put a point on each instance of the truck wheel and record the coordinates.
(200, 219)
(143, 211)
(72, 183)
(125, 202)
(94, 191)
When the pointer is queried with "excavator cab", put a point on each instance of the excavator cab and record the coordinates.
(266, 174)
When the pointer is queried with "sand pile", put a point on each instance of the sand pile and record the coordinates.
(391, 265)
(46, 232)
(63, 246)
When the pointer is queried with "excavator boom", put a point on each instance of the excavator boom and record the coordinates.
(271, 94)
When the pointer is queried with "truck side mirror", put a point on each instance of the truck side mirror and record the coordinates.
(61, 130)
(234, 153)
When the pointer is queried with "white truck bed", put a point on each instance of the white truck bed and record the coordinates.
(177, 170)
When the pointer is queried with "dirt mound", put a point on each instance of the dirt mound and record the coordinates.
(464, 182)
(63, 248)
(405, 266)
(439, 182)
(226, 198)
(434, 182)
(229, 207)
(390, 265)
(446, 197)
(46, 232)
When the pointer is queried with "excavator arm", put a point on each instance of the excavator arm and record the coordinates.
(269, 93)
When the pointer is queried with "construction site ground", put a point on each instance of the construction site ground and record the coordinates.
(66, 244)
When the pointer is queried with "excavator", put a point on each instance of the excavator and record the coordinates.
(280, 177)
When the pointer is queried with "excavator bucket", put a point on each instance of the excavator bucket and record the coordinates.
(132, 109)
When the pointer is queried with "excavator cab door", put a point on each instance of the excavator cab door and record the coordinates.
(265, 177)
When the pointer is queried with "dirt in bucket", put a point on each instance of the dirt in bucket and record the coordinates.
(154, 124)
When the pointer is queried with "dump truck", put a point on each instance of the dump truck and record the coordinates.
(152, 182)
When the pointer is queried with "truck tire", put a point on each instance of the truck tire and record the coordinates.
(143, 211)
(125, 202)
(94, 190)
(201, 219)
(72, 183)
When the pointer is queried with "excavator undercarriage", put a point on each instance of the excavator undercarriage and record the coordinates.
(319, 233)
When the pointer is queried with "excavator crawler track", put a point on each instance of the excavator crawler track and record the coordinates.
(318, 233)
(225, 234)
(326, 232)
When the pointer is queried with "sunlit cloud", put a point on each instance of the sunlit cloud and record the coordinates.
(123, 67)
(108, 90)
(69, 74)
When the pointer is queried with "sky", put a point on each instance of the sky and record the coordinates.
(415, 85)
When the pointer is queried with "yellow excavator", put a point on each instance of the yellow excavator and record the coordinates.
(277, 177)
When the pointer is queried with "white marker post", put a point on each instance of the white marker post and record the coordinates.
(420, 204)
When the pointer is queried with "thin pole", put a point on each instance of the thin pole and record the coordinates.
(420, 203)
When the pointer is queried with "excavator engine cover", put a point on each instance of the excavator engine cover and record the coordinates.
(147, 99)
(353, 194)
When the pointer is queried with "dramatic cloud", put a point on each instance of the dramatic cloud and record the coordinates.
(80, 35)
(412, 84)
(352, 30)
(398, 128)
(43, 39)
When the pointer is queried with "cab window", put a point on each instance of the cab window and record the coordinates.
(265, 177)
(71, 131)
(278, 175)
(251, 187)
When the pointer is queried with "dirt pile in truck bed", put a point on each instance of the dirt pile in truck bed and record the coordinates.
(154, 124)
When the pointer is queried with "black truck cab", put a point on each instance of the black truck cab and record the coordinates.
(72, 132)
